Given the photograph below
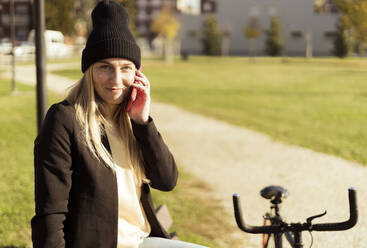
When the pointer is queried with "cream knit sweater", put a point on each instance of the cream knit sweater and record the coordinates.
(133, 225)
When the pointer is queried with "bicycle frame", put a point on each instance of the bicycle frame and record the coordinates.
(276, 220)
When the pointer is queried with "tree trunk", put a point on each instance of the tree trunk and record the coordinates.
(308, 44)
(225, 46)
(252, 50)
(168, 52)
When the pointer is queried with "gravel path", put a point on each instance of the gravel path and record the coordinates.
(233, 159)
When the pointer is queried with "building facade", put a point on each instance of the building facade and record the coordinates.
(303, 28)
(146, 12)
(23, 19)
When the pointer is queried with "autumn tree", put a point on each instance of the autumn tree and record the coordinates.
(341, 39)
(166, 25)
(252, 31)
(60, 15)
(211, 35)
(354, 14)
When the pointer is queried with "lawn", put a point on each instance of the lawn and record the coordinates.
(18, 128)
(197, 216)
(318, 103)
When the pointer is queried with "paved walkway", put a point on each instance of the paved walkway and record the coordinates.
(233, 159)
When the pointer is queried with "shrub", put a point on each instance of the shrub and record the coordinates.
(274, 41)
(211, 35)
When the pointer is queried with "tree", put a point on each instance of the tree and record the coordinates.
(341, 41)
(167, 26)
(354, 13)
(60, 15)
(211, 35)
(252, 31)
(274, 40)
(319, 6)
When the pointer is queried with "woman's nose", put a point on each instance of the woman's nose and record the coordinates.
(118, 77)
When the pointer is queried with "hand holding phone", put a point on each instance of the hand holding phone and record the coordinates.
(138, 107)
(133, 94)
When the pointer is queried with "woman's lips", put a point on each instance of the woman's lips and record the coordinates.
(114, 89)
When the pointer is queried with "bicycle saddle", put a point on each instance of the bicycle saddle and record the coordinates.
(274, 191)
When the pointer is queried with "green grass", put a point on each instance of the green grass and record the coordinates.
(197, 217)
(203, 220)
(18, 128)
(318, 103)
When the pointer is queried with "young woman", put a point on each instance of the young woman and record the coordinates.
(99, 152)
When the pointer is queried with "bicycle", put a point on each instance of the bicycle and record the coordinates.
(274, 226)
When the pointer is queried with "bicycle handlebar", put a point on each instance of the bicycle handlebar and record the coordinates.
(298, 227)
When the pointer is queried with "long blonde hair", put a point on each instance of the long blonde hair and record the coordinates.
(89, 109)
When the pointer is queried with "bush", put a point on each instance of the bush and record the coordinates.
(211, 36)
(341, 42)
(274, 41)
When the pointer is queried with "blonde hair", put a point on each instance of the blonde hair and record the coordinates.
(89, 109)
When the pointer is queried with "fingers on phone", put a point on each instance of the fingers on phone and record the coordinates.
(139, 73)
(139, 80)
(132, 99)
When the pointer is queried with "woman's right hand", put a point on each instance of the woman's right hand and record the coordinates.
(138, 106)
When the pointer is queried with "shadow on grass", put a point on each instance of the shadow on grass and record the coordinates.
(18, 92)
(11, 246)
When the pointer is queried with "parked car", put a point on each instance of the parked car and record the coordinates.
(5, 46)
(24, 48)
(54, 41)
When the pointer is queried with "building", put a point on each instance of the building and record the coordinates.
(146, 12)
(23, 18)
(303, 27)
(196, 7)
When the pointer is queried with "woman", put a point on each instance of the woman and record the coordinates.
(99, 149)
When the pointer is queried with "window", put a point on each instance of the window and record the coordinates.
(142, 15)
(208, 6)
(155, 13)
(296, 34)
(5, 19)
(22, 33)
(141, 4)
(143, 29)
(21, 10)
(330, 34)
(156, 3)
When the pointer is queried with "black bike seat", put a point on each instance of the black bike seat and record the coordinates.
(273, 191)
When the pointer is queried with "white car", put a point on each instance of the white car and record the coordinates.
(25, 48)
(54, 41)
(5, 46)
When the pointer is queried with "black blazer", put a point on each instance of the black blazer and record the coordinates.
(76, 196)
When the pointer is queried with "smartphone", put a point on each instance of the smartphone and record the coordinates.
(133, 94)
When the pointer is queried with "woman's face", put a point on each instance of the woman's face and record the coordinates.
(112, 77)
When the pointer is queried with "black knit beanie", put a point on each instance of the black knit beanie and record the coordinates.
(110, 37)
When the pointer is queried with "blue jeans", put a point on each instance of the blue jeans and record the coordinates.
(153, 242)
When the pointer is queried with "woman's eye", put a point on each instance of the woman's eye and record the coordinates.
(104, 67)
(126, 68)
